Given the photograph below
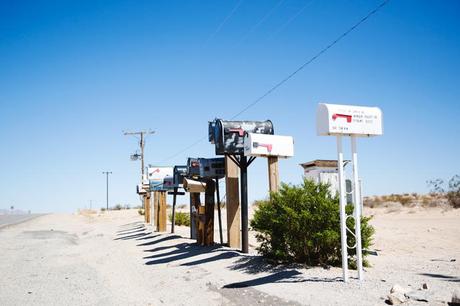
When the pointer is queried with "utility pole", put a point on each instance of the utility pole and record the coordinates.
(107, 184)
(142, 135)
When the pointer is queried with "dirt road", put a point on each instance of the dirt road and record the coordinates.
(113, 259)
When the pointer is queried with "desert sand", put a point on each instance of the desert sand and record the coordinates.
(115, 259)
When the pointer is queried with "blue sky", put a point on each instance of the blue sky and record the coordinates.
(75, 74)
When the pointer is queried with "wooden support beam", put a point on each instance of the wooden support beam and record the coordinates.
(162, 214)
(273, 174)
(146, 208)
(194, 206)
(210, 205)
(232, 203)
(156, 206)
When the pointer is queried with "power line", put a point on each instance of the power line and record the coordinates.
(235, 8)
(277, 85)
(292, 74)
(262, 20)
(284, 25)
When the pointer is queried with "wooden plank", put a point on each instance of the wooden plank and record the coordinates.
(210, 205)
(146, 209)
(162, 214)
(200, 225)
(273, 174)
(232, 204)
(194, 206)
(156, 201)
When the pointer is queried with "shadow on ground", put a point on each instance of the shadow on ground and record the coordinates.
(447, 278)
(184, 253)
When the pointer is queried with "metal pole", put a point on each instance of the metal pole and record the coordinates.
(357, 210)
(142, 156)
(244, 204)
(174, 210)
(107, 186)
(343, 202)
(218, 211)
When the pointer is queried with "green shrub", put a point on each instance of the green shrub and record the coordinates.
(141, 211)
(302, 224)
(181, 218)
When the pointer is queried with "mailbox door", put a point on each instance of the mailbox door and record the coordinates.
(193, 167)
(212, 167)
(230, 134)
(179, 173)
(168, 183)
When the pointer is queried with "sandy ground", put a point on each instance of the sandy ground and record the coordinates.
(114, 259)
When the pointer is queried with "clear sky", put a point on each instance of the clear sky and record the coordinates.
(75, 74)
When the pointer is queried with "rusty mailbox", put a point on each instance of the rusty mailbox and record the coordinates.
(206, 167)
(228, 136)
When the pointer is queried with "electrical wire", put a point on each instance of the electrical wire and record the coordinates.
(262, 20)
(292, 74)
(284, 25)
(235, 8)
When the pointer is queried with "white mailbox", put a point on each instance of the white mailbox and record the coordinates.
(334, 119)
(268, 145)
(156, 176)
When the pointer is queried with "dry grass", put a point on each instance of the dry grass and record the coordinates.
(406, 200)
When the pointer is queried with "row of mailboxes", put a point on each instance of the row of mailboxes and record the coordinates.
(206, 167)
(228, 136)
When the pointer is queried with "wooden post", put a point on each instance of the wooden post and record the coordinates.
(194, 205)
(162, 215)
(156, 201)
(232, 203)
(199, 223)
(273, 174)
(210, 205)
(146, 209)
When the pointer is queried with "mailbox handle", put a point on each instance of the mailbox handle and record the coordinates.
(348, 117)
(240, 131)
(268, 146)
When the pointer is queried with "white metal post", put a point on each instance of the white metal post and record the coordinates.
(357, 210)
(343, 202)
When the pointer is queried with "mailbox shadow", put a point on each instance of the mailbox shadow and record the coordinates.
(166, 238)
(223, 255)
(182, 252)
(131, 230)
(447, 278)
(133, 236)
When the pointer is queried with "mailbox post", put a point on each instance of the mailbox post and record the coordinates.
(352, 121)
(179, 173)
(160, 180)
(208, 171)
(228, 138)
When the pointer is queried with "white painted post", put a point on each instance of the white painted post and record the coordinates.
(343, 203)
(357, 210)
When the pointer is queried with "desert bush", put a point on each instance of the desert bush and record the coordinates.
(453, 195)
(117, 207)
(453, 192)
(141, 211)
(302, 224)
(180, 218)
